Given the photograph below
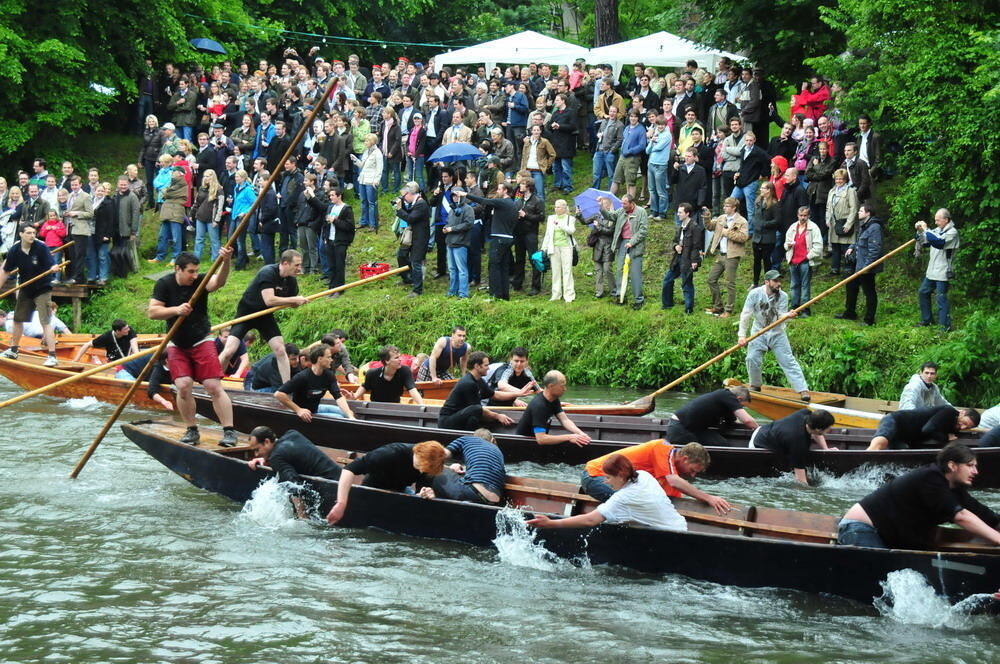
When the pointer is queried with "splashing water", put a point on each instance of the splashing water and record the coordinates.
(907, 598)
(83, 403)
(859, 481)
(517, 545)
(270, 506)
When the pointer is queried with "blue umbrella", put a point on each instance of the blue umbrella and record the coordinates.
(589, 205)
(207, 46)
(456, 152)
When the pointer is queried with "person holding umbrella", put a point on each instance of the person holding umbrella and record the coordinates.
(628, 242)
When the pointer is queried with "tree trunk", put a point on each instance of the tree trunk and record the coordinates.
(606, 22)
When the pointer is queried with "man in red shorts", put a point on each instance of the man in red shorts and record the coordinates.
(191, 353)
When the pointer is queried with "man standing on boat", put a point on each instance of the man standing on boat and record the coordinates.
(792, 436)
(545, 406)
(273, 286)
(905, 512)
(464, 408)
(764, 305)
(694, 422)
(31, 258)
(387, 383)
(933, 427)
(922, 390)
(291, 456)
(191, 353)
(303, 393)
(448, 352)
(673, 467)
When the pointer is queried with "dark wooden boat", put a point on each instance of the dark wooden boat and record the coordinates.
(752, 547)
(380, 423)
(27, 372)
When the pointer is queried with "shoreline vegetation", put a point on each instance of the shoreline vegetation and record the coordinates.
(594, 341)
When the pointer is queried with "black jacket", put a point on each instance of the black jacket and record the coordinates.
(765, 224)
(563, 139)
(311, 212)
(344, 223)
(689, 185)
(753, 167)
(795, 196)
(692, 244)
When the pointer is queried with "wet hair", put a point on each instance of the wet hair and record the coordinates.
(973, 415)
(263, 433)
(429, 457)
(695, 453)
(476, 358)
(957, 452)
(618, 465)
(819, 420)
(741, 392)
(385, 353)
(484, 433)
(186, 258)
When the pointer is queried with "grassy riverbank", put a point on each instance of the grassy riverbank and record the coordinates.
(595, 342)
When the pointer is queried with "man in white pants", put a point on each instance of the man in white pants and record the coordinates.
(763, 306)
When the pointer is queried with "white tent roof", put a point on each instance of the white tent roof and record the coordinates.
(522, 48)
(660, 49)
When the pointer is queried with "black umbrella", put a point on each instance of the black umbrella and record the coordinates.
(207, 46)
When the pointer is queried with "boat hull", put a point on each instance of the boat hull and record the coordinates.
(739, 560)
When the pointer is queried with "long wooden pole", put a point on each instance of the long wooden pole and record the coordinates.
(34, 279)
(292, 147)
(726, 353)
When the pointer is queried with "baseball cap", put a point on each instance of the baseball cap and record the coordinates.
(772, 275)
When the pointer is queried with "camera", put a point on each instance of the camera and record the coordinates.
(397, 201)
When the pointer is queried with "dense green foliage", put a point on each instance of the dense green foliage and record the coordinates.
(927, 74)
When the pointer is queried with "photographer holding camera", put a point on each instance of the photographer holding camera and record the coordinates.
(943, 241)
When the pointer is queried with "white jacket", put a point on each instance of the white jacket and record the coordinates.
(814, 243)
(548, 240)
(937, 265)
(370, 167)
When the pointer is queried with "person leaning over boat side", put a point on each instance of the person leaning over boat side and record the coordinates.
(273, 286)
(118, 342)
(481, 479)
(387, 383)
(922, 427)
(31, 258)
(922, 390)
(302, 394)
(393, 467)
(157, 376)
(291, 456)
(792, 436)
(904, 512)
(463, 409)
(668, 464)
(535, 419)
(763, 306)
(448, 352)
(264, 375)
(636, 499)
(691, 423)
(512, 375)
(191, 353)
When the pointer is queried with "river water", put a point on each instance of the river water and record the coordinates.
(130, 563)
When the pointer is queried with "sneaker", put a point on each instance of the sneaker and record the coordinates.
(10, 353)
(348, 186)
(845, 316)
(191, 436)
(805, 396)
(152, 260)
(51, 361)
(229, 437)
(725, 314)
(755, 388)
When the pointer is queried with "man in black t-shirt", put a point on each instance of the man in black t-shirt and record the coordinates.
(191, 353)
(303, 393)
(31, 258)
(918, 427)
(792, 436)
(117, 343)
(512, 375)
(535, 419)
(691, 423)
(904, 513)
(393, 467)
(291, 456)
(387, 383)
(274, 286)
(464, 409)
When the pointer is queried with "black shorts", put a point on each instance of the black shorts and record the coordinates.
(266, 325)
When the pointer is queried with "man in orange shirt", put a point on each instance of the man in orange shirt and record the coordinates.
(670, 465)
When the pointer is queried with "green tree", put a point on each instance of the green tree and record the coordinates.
(927, 74)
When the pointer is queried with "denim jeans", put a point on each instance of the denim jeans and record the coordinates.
(185, 133)
(391, 168)
(369, 206)
(778, 255)
(170, 231)
(604, 164)
(858, 533)
(748, 195)
(539, 179)
(687, 288)
(458, 271)
(595, 487)
(415, 171)
(562, 173)
(98, 260)
(944, 308)
(658, 190)
(266, 246)
(476, 252)
(634, 275)
(212, 231)
(801, 284)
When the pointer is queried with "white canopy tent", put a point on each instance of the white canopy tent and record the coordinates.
(522, 48)
(660, 49)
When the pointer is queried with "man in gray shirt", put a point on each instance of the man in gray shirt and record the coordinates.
(609, 143)
(922, 390)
